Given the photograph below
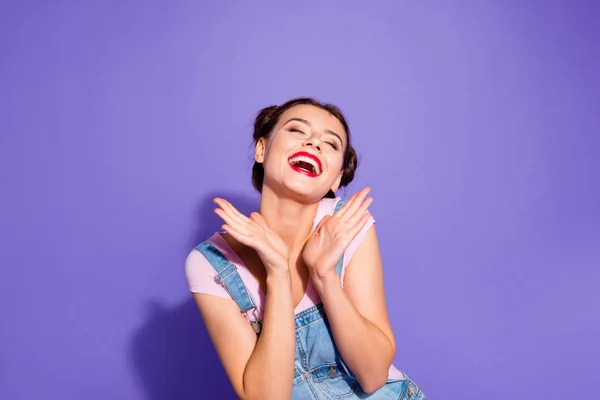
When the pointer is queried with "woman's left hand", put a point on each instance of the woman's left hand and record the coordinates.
(334, 233)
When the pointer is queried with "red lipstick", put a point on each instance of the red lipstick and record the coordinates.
(308, 159)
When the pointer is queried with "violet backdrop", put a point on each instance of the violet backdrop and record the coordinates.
(478, 129)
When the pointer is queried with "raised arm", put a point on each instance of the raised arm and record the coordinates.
(258, 367)
(357, 313)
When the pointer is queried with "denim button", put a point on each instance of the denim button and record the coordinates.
(332, 373)
(412, 387)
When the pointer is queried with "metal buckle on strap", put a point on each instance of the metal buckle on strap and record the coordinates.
(218, 277)
(256, 324)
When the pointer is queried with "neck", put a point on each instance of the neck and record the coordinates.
(291, 220)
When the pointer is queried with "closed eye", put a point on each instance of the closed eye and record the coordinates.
(295, 129)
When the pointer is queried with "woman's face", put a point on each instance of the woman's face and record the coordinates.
(304, 154)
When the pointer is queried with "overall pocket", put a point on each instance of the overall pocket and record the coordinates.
(334, 382)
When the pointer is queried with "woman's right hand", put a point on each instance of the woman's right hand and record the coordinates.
(253, 232)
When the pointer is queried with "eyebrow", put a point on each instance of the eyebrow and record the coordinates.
(309, 124)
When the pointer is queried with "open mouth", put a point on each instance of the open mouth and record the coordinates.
(306, 164)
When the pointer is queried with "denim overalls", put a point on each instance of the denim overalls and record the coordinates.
(319, 371)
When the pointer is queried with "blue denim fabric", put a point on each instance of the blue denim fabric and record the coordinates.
(340, 264)
(320, 372)
(228, 277)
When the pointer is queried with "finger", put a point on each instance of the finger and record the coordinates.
(259, 223)
(235, 223)
(342, 210)
(354, 230)
(240, 237)
(231, 210)
(250, 240)
(227, 218)
(360, 211)
(355, 200)
(256, 217)
(322, 222)
(353, 203)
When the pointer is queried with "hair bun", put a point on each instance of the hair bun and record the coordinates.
(263, 118)
(350, 165)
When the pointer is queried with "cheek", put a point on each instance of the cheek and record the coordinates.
(278, 143)
(336, 163)
(276, 149)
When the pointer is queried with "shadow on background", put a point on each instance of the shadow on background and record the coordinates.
(172, 352)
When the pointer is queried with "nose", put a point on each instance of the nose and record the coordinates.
(314, 142)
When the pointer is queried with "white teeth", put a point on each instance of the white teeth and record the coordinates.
(308, 160)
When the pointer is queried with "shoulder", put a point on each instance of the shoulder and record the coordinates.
(199, 271)
(194, 262)
(198, 255)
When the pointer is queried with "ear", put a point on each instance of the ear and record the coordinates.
(338, 180)
(259, 151)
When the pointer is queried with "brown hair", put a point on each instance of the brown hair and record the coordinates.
(268, 117)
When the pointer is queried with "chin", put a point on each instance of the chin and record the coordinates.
(301, 192)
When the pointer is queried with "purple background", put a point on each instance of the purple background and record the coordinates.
(478, 128)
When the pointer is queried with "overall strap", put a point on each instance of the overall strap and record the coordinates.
(340, 264)
(228, 277)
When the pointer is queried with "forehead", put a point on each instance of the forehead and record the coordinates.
(315, 116)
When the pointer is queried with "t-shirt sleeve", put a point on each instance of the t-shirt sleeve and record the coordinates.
(201, 276)
(354, 246)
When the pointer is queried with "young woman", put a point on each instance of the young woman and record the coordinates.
(304, 271)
